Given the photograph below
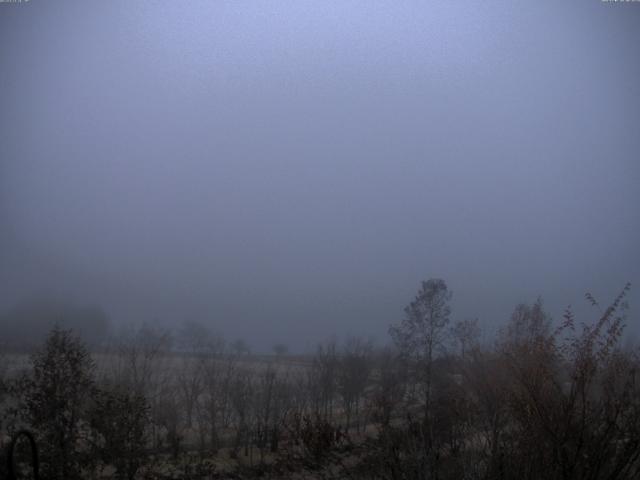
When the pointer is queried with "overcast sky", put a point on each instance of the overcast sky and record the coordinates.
(285, 171)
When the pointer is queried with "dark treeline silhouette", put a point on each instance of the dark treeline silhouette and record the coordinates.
(543, 400)
(25, 326)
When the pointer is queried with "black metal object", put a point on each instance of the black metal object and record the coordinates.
(11, 463)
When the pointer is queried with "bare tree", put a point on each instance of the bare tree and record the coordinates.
(529, 325)
(465, 335)
(486, 376)
(217, 369)
(138, 358)
(322, 379)
(390, 386)
(422, 332)
(167, 414)
(190, 383)
(240, 393)
(140, 365)
(272, 401)
(194, 342)
(353, 376)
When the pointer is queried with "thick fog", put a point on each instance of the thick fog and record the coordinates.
(286, 171)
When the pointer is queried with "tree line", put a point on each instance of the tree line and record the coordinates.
(543, 400)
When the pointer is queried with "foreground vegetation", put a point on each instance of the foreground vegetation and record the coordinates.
(543, 401)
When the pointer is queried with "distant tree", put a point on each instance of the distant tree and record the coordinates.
(240, 347)
(55, 400)
(27, 324)
(280, 349)
(194, 337)
(529, 324)
(139, 356)
(465, 334)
